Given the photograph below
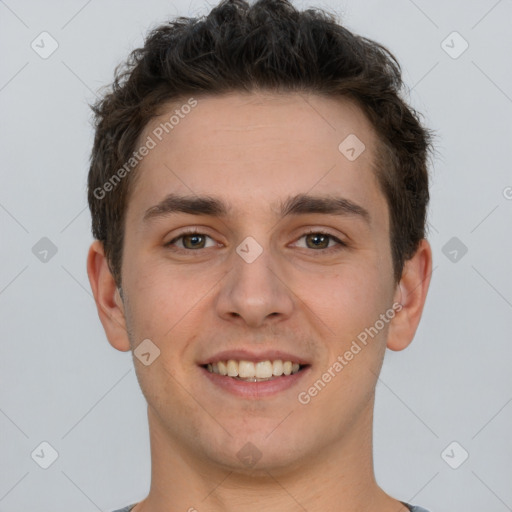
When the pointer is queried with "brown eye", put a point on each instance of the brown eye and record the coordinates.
(321, 242)
(318, 240)
(193, 241)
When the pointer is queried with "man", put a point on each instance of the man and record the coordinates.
(258, 192)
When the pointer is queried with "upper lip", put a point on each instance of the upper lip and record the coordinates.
(250, 355)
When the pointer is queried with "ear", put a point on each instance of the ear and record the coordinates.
(411, 293)
(107, 297)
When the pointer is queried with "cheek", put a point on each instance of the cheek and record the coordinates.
(164, 299)
(167, 302)
(347, 298)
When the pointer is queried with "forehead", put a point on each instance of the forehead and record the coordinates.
(259, 147)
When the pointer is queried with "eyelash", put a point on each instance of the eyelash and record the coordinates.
(340, 244)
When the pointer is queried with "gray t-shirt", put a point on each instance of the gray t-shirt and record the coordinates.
(412, 508)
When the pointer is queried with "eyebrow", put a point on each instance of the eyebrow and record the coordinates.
(300, 204)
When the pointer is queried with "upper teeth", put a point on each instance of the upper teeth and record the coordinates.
(248, 369)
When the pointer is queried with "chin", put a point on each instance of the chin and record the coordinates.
(256, 454)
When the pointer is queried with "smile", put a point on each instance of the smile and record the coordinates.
(250, 371)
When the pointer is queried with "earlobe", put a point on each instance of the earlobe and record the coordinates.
(108, 298)
(411, 293)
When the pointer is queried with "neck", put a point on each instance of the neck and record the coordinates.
(338, 477)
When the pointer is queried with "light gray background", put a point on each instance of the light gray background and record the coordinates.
(62, 382)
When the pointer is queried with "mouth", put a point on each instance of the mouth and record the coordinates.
(250, 375)
(254, 371)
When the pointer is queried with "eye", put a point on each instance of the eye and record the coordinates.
(321, 240)
(191, 240)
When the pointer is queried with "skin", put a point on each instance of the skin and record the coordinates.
(252, 151)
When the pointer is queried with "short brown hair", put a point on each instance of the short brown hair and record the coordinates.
(272, 46)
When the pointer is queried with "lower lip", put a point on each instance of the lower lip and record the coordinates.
(261, 389)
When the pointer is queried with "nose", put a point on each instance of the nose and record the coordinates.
(255, 292)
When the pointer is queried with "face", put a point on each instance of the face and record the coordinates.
(289, 259)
